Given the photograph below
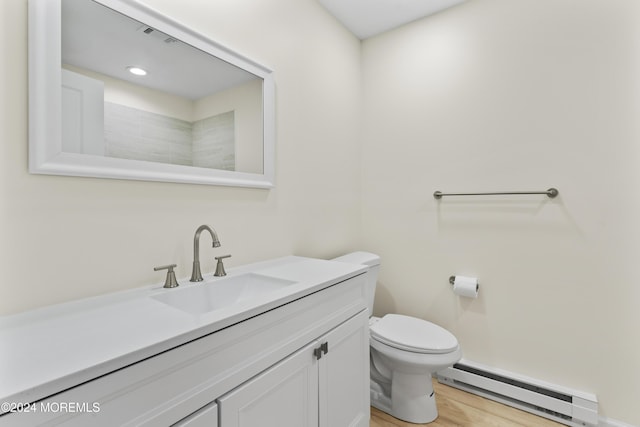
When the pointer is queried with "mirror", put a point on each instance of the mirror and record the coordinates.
(202, 113)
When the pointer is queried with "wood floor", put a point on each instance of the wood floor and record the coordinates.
(459, 408)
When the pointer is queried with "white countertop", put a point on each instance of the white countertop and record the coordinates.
(45, 351)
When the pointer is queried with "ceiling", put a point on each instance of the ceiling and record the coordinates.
(367, 18)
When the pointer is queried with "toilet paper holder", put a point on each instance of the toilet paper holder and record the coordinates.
(452, 281)
(463, 286)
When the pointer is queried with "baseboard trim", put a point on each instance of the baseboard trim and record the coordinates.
(608, 422)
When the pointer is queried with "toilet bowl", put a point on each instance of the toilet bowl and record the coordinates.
(404, 352)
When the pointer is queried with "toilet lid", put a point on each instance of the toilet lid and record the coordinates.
(412, 334)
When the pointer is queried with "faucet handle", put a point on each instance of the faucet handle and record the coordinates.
(220, 266)
(170, 281)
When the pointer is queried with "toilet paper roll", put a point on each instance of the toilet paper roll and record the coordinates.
(466, 286)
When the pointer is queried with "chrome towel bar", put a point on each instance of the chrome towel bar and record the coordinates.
(551, 193)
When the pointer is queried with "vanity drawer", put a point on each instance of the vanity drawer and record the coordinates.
(205, 417)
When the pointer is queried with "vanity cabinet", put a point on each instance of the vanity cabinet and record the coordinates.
(304, 363)
(323, 384)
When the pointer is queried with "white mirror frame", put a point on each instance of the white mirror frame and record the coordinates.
(45, 139)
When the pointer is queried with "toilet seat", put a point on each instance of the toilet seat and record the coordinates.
(412, 334)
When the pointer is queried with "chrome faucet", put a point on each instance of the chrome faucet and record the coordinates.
(196, 275)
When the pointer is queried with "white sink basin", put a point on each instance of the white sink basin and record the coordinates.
(215, 294)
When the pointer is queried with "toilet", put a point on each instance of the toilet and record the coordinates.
(404, 352)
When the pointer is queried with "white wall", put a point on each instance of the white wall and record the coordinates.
(513, 95)
(64, 238)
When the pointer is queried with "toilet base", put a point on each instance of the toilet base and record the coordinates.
(412, 398)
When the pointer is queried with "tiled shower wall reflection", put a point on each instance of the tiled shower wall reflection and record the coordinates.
(213, 142)
(135, 134)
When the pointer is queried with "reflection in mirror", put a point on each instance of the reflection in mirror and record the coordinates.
(118, 90)
(133, 92)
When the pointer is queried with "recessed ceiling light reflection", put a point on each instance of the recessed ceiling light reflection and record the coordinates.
(137, 71)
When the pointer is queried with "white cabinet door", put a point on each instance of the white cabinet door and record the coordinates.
(204, 417)
(344, 375)
(285, 395)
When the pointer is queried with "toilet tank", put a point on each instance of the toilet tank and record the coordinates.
(373, 262)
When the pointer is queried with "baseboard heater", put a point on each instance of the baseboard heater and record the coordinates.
(569, 407)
